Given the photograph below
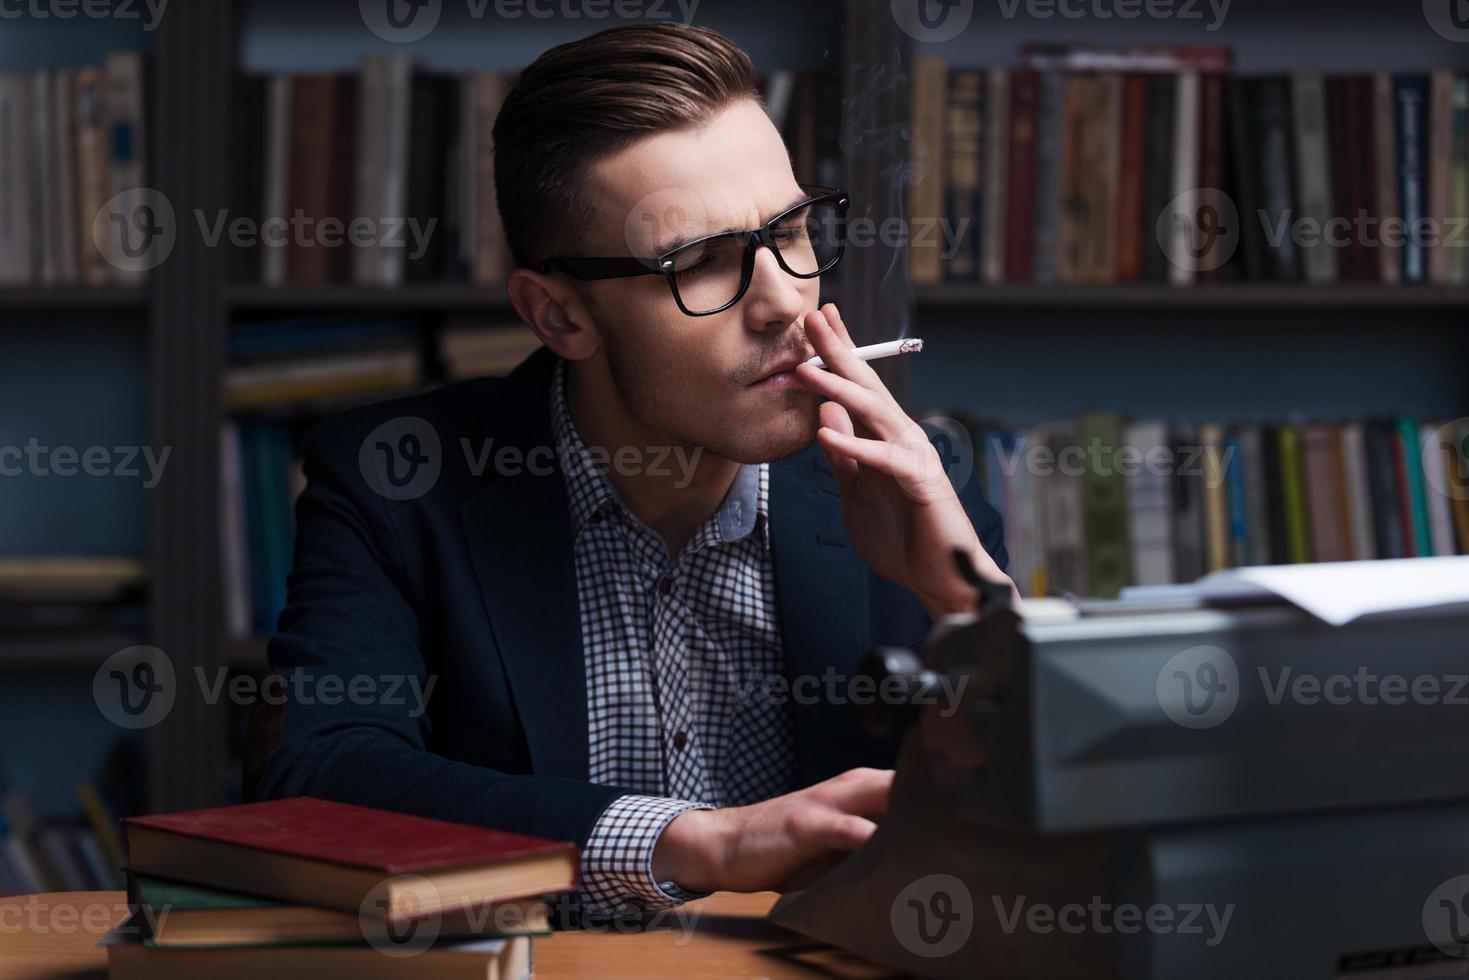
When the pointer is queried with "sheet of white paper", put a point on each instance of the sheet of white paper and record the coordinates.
(1339, 592)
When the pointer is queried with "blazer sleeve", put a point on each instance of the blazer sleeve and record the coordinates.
(346, 617)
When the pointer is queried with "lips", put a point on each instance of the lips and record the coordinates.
(784, 366)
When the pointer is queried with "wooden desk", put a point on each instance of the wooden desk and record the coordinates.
(54, 936)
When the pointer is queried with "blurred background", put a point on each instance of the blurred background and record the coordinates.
(1104, 217)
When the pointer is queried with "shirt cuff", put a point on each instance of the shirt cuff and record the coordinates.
(617, 862)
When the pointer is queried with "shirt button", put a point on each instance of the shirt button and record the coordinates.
(665, 586)
(680, 740)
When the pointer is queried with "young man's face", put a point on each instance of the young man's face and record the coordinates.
(695, 377)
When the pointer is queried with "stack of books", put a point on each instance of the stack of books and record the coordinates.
(1067, 169)
(306, 887)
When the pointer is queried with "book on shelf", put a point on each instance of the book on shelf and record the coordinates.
(1104, 502)
(1101, 164)
(70, 140)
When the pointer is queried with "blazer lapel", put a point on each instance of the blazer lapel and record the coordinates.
(518, 531)
(821, 589)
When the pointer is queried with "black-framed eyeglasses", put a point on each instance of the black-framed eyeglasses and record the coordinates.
(711, 274)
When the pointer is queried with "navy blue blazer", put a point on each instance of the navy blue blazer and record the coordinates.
(472, 584)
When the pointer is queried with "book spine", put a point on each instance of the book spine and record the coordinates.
(1212, 151)
(1131, 222)
(1271, 113)
(89, 93)
(1104, 506)
(1440, 171)
(17, 231)
(64, 202)
(1458, 269)
(1185, 175)
(125, 159)
(1050, 125)
(926, 159)
(391, 254)
(1412, 144)
(1216, 502)
(1246, 181)
(1319, 193)
(1385, 168)
(1024, 107)
(997, 175)
(1410, 447)
(277, 176)
(1162, 117)
(1358, 492)
(1293, 491)
(964, 190)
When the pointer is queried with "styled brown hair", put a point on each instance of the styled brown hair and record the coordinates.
(587, 99)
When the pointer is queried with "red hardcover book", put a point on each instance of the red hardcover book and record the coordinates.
(335, 855)
(1024, 100)
(1211, 146)
(1132, 224)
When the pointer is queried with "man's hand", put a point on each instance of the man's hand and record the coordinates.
(897, 502)
(780, 844)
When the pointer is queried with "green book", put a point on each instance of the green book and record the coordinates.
(1417, 496)
(180, 914)
(1293, 491)
(1104, 503)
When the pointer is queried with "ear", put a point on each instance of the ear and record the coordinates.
(556, 314)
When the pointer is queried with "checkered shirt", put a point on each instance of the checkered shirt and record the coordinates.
(674, 653)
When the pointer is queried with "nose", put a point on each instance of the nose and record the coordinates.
(775, 299)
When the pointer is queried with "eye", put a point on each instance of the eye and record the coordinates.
(696, 269)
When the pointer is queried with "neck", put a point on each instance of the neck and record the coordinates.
(669, 485)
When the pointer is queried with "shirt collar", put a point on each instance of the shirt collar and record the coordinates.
(591, 495)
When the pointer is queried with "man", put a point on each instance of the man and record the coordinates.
(650, 656)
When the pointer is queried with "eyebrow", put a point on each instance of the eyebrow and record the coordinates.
(663, 248)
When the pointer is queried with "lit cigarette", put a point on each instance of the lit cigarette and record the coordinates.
(874, 351)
